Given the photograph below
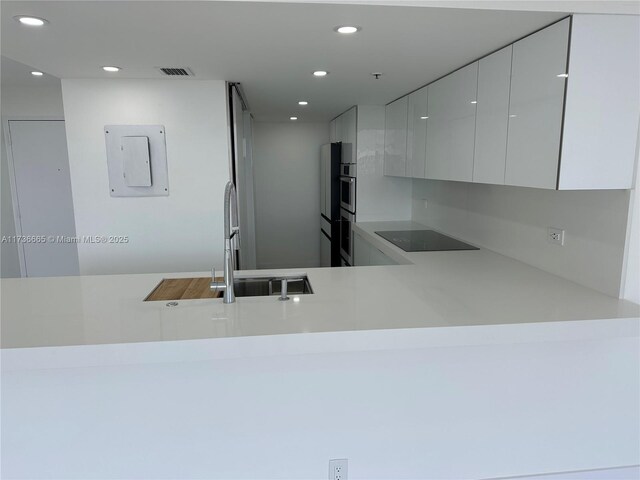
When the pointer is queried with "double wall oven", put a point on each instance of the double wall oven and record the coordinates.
(347, 210)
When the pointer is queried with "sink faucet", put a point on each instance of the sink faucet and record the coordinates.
(231, 230)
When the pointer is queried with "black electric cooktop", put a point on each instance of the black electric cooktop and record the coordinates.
(424, 241)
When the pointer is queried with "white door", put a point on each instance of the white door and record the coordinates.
(44, 201)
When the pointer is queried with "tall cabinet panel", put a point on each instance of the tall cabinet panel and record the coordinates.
(328, 182)
(325, 153)
(338, 129)
(536, 105)
(349, 132)
(416, 133)
(492, 117)
(395, 138)
(451, 131)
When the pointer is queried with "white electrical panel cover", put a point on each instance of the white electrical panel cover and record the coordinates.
(137, 160)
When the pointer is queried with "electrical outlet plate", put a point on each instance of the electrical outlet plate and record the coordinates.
(338, 469)
(555, 235)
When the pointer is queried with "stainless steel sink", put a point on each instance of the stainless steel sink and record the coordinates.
(267, 286)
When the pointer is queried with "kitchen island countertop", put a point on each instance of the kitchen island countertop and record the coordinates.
(492, 367)
(431, 289)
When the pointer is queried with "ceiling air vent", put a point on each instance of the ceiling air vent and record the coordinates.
(176, 71)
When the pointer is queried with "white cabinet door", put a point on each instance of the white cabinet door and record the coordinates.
(451, 132)
(599, 140)
(536, 105)
(349, 131)
(325, 250)
(492, 117)
(416, 133)
(361, 251)
(395, 138)
(379, 258)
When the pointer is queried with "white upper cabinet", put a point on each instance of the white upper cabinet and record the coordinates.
(532, 114)
(395, 138)
(535, 112)
(599, 140)
(451, 125)
(492, 117)
(416, 133)
(349, 132)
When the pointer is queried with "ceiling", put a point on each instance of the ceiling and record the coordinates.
(271, 48)
(17, 74)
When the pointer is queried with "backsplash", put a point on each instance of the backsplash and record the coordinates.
(513, 221)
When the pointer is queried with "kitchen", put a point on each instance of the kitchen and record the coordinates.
(487, 362)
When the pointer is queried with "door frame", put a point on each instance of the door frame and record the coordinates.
(15, 204)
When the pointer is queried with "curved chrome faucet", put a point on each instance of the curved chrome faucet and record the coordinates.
(231, 230)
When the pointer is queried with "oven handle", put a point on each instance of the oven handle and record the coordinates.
(348, 179)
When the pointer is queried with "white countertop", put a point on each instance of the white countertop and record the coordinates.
(526, 373)
(437, 289)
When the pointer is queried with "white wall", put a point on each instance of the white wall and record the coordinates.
(45, 101)
(287, 193)
(513, 221)
(378, 197)
(180, 232)
(18, 101)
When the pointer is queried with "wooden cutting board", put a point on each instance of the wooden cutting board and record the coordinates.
(184, 289)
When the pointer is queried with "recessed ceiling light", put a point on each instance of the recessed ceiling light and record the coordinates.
(474, 102)
(293, 118)
(37, 74)
(347, 29)
(320, 73)
(30, 21)
(423, 118)
(111, 69)
(562, 75)
(302, 102)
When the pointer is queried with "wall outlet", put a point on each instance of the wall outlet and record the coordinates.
(338, 469)
(555, 235)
